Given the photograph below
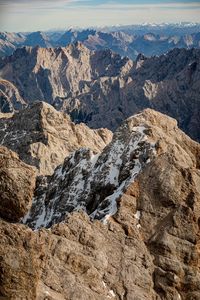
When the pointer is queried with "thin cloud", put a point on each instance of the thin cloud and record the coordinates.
(35, 2)
(40, 15)
(170, 5)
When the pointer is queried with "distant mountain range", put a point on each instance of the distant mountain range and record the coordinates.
(128, 41)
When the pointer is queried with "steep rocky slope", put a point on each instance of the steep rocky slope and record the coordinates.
(148, 246)
(17, 183)
(48, 74)
(43, 137)
(102, 89)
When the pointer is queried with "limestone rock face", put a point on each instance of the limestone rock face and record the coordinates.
(93, 182)
(78, 259)
(17, 183)
(19, 262)
(169, 206)
(58, 73)
(43, 137)
(146, 248)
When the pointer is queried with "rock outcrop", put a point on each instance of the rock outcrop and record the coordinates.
(78, 259)
(17, 183)
(147, 247)
(43, 137)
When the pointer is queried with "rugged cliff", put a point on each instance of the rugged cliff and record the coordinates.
(144, 190)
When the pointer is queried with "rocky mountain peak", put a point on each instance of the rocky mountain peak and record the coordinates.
(56, 74)
(43, 137)
(37, 38)
(93, 183)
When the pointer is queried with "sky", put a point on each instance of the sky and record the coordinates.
(33, 15)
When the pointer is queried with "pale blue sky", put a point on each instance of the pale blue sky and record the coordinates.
(27, 15)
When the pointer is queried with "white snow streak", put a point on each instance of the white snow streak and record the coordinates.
(103, 170)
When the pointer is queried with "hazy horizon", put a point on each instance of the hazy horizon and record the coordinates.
(23, 16)
(82, 28)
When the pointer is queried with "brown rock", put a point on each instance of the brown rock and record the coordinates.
(17, 183)
(19, 262)
(77, 260)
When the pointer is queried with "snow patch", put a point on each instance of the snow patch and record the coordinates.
(137, 215)
(111, 294)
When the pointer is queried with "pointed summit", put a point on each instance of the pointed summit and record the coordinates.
(43, 137)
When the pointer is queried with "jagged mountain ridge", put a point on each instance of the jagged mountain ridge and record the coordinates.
(130, 44)
(48, 74)
(93, 183)
(128, 41)
(148, 247)
(102, 89)
(43, 137)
